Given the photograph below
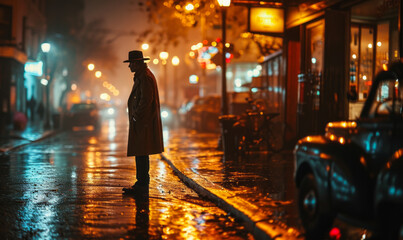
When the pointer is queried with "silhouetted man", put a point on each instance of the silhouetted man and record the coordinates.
(145, 129)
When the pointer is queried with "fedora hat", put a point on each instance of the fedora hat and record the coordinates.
(136, 56)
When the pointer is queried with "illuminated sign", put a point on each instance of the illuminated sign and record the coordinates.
(34, 68)
(266, 20)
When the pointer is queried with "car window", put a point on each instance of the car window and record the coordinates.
(388, 99)
(82, 107)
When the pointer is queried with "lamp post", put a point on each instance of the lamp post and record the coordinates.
(175, 63)
(164, 57)
(45, 47)
(224, 4)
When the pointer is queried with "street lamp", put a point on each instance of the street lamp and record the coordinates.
(164, 57)
(224, 4)
(175, 63)
(45, 47)
(91, 66)
(98, 74)
(145, 46)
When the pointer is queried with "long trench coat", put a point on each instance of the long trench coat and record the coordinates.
(145, 133)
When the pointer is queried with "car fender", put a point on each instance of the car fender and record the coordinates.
(389, 184)
(332, 164)
(310, 159)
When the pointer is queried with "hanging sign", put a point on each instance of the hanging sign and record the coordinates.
(268, 21)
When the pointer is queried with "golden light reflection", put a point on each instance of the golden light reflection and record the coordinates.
(91, 148)
(342, 140)
(90, 177)
(318, 139)
(92, 140)
(111, 129)
(342, 124)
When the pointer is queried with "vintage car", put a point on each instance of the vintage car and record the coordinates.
(83, 114)
(355, 170)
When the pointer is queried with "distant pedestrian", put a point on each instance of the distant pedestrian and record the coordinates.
(145, 129)
(40, 110)
(32, 106)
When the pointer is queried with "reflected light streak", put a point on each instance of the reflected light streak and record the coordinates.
(162, 171)
(166, 135)
(39, 209)
(111, 129)
(92, 140)
(113, 146)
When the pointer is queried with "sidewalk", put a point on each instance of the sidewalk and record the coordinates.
(13, 139)
(257, 189)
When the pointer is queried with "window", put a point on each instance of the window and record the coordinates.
(5, 22)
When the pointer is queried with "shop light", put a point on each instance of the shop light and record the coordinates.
(238, 82)
(354, 56)
(379, 43)
(369, 45)
(34, 68)
(313, 60)
(73, 87)
(224, 3)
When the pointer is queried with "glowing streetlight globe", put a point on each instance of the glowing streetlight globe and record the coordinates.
(91, 66)
(45, 47)
(189, 7)
(175, 61)
(164, 55)
(145, 46)
(98, 74)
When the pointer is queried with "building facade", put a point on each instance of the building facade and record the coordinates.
(332, 51)
(22, 29)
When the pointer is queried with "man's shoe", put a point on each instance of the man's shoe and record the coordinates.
(137, 189)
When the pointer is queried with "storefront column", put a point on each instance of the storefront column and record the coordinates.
(334, 102)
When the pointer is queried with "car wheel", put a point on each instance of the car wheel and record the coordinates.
(315, 221)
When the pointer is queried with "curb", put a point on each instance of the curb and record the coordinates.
(257, 223)
(45, 135)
